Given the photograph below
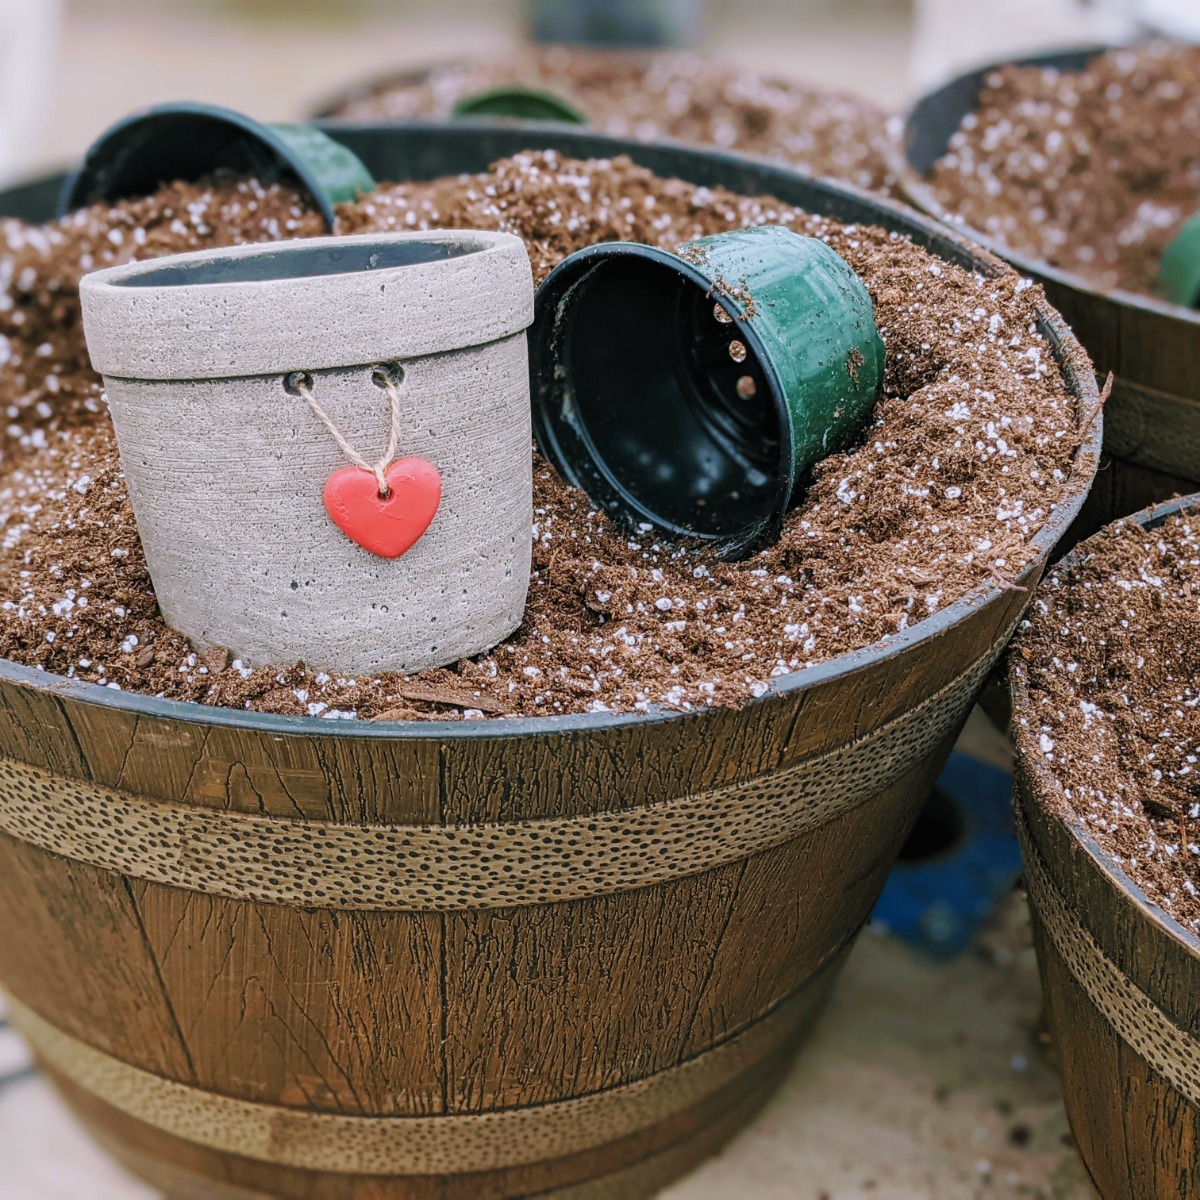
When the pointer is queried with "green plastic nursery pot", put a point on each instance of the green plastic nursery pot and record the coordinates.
(283, 956)
(1179, 271)
(1120, 977)
(188, 141)
(693, 390)
(1152, 346)
(518, 103)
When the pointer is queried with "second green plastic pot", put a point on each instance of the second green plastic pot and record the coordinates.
(519, 104)
(1179, 269)
(188, 141)
(692, 391)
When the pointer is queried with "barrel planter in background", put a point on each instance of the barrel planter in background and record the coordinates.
(1120, 979)
(270, 956)
(1152, 420)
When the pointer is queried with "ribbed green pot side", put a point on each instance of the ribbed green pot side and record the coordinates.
(340, 174)
(1179, 268)
(815, 320)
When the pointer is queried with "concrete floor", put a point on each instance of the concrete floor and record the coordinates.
(923, 1082)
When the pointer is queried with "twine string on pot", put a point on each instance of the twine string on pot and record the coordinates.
(300, 382)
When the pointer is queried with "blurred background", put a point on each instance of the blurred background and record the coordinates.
(68, 68)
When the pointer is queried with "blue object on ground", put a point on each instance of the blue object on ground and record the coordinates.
(959, 862)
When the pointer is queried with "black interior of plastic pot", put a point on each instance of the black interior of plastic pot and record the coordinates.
(35, 201)
(139, 155)
(935, 118)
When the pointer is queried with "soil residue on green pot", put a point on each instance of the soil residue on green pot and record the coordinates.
(1111, 656)
(967, 452)
(1094, 171)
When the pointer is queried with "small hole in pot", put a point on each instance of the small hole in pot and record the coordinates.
(746, 387)
(721, 315)
(387, 372)
(297, 380)
(737, 351)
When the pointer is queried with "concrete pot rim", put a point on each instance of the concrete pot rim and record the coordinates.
(259, 309)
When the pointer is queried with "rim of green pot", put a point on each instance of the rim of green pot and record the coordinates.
(1179, 268)
(517, 103)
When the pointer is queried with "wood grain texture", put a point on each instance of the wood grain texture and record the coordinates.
(421, 1013)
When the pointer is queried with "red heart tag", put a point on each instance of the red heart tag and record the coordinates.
(385, 525)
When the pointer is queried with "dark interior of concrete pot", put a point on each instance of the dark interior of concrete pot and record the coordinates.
(301, 262)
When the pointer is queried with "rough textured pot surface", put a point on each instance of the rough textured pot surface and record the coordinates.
(1120, 978)
(226, 465)
(1152, 420)
(348, 961)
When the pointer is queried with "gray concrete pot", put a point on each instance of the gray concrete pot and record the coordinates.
(208, 360)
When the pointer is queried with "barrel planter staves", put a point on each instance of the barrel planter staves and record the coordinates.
(1120, 979)
(263, 955)
(1152, 419)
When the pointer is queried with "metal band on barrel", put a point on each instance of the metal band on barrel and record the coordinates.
(1137, 1019)
(461, 867)
(402, 1145)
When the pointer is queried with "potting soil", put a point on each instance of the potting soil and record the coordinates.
(1093, 171)
(655, 95)
(966, 454)
(1111, 655)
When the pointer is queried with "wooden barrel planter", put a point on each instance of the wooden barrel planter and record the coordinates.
(272, 956)
(1152, 420)
(1120, 978)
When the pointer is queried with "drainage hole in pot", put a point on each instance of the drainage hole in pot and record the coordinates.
(938, 830)
(722, 315)
(295, 381)
(386, 373)
(737, 351)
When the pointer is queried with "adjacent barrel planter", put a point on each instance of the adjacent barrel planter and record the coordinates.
(1152, 420)
(269, 956)
(1120, 979)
